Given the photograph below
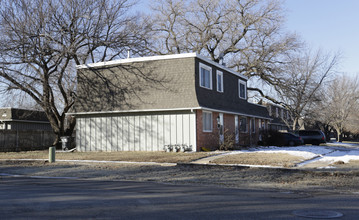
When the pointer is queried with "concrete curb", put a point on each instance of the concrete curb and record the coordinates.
(96, 161)
(237, 166)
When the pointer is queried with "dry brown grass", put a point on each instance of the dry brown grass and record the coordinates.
(160, 157)
(269, 159)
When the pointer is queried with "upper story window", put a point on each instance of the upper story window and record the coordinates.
(242, 89)
(205, 76)
(219, 81)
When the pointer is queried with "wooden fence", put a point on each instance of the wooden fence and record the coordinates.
(11, 140)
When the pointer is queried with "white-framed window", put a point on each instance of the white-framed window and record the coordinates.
(253, 125)
(242, 89)
(243, 125)
(207, 121)
(282, 113)
(219, 81)
(205, 76)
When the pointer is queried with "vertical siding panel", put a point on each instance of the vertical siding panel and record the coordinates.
(173, 121)
(78, 134)
(98, 139)
(109, 134)
(142, 133)
(148, 132)
(79, 129)
(186, 129)
(103, 133)
(167, 130)
(179, 129)
(82, 129)
(120, 133)
(154, 133)
(87, 134)
(131, 134)
(192, 132)
(118, 130)
(93, 134)
(124, 134)
(113, 134)
(138, 133)
(160, 132)
(135, 134)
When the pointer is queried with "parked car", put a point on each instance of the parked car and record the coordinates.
(283, 139)
(314, 137)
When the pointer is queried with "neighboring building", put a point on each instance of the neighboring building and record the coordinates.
(21, 119)
(187, 100)
(280, 117)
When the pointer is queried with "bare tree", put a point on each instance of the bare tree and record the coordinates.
(340, 104)
(41, 41)
(301, 81)
(247, 34)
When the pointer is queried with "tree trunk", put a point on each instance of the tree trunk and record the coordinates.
(295, 122)
(339, 135)
(66, 128)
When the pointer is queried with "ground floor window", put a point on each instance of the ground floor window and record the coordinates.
(207, 121)
(243, 125)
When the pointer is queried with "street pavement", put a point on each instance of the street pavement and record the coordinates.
(61, 198)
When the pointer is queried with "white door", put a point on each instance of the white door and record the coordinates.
(221, 128)
(236, 128)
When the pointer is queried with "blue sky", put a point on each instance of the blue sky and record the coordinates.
(332, 25)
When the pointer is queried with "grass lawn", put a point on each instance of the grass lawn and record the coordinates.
(161, 157)
(266, 159)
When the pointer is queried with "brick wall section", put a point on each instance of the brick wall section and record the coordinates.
(210, 140)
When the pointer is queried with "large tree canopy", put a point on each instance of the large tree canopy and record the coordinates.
(41, 41)
(247, 34)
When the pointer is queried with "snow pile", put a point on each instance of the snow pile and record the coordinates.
(344, 156)
(328, 154)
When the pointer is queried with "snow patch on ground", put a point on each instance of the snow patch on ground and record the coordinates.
(328, 154)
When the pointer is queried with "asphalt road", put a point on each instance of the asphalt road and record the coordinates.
(43, 198)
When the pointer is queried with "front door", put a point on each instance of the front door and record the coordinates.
(221, 128)
(236, 128)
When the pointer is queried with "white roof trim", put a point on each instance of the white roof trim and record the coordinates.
(24, 121)
(136, 59)
(162, 57)
(132, 111)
